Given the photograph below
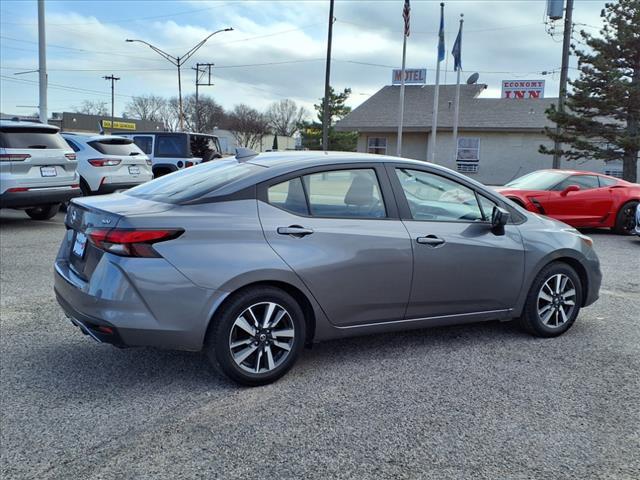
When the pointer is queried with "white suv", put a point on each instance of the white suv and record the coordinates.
(37, 169)
(108, 163)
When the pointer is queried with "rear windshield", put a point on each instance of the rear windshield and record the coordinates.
(115, 146)
(202, 144)
(193, 182)
(31, 138)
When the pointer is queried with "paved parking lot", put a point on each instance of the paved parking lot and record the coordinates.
(474, 401)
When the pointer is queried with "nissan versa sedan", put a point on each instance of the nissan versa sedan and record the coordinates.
(254, 257)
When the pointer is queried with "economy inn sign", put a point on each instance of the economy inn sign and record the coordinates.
(522, 89)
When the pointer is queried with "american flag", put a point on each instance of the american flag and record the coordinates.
(406, 11)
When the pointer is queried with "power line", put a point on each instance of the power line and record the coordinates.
(62, 87)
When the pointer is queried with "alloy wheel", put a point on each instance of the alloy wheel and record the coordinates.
(629, 217)
(262, 337)
(556, 300)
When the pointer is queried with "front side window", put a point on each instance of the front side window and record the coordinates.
(377, 145)
(607, 182)
(435, 198)
(345, 193)
(585, 182)
(171, 145)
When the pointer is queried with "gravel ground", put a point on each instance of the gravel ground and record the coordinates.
(474, 401)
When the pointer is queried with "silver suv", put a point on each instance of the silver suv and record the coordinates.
(37, 169)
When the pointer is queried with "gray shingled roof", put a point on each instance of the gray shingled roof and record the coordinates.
(380, 111)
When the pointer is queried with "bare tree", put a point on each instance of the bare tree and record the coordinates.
(247, 125)
(206, 117)
(91, 107)
(285, 117)
(147, 107)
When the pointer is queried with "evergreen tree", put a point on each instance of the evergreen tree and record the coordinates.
(602, 116)
(339, 141)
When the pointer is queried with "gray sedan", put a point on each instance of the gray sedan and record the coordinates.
(251, 259)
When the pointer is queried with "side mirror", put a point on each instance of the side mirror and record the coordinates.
(499, 218)
(569, 188)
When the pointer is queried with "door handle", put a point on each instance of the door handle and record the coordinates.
(295, 231)
(431, 240)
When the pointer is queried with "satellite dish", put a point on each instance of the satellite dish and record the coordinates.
(473, 79)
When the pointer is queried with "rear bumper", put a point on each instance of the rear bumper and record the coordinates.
(150, 304)
(38, 196)
(594, 275)
(114, 187)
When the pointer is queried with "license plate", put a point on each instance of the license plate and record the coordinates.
(80, 244)
(48, 171)
(134, 170)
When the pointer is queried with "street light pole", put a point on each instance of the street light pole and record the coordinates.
(178, 62)
(113, 81)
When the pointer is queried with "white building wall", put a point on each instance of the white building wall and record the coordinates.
(503, 155)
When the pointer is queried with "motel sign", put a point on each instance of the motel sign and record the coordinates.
(519, 89)
(412, 76)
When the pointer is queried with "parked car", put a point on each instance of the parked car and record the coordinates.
(37, 169)
(250, 260)
(172, 151)
(580, 199)
(108, 163)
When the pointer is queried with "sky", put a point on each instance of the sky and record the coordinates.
(277, 48)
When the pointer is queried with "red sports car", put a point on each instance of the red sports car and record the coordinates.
(581, 199)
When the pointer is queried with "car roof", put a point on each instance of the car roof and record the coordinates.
(162, 132)
(19, 124)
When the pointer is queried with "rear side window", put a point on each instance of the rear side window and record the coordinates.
(345, 193)
(289, 196)
(144, 143)
(171, 146)
(32, 138)
(193, 182)
(115, 146)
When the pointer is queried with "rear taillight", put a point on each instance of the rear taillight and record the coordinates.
(130, 242)
(188, 164)
(104, 162)
(14, 157)
(70, 156)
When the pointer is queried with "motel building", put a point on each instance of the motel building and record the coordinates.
(498, 138)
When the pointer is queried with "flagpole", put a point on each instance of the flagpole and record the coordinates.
(401, 121)
(456, 111)
(436, 92)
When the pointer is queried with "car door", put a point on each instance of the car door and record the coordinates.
(460, 265)
(584, 207)
(343, 238)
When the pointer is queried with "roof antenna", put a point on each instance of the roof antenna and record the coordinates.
(243, 154)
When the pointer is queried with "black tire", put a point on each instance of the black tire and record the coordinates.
(532, 321)
(219, 338)
(626, 218)
(43, 212)
(84, 188)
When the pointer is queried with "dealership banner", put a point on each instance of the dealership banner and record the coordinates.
(412, 76)
(119, 125)
(522, 89)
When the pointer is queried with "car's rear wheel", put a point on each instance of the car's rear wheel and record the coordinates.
(553, 302)
(43, 212)
(84, 188)
(626, 219)
(257, 336)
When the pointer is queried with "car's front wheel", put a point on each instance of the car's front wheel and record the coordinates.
(43, 212)
(553, 302)
(257, 336)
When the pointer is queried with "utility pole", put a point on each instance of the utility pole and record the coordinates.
(42, 64)
(113, 81)
(564, 73)
(200, 73)
(326, 117)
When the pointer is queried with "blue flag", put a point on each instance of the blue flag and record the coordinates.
(457, 51)
(441, 35)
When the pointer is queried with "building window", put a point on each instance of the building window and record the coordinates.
(377, 145)
(468, 154)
